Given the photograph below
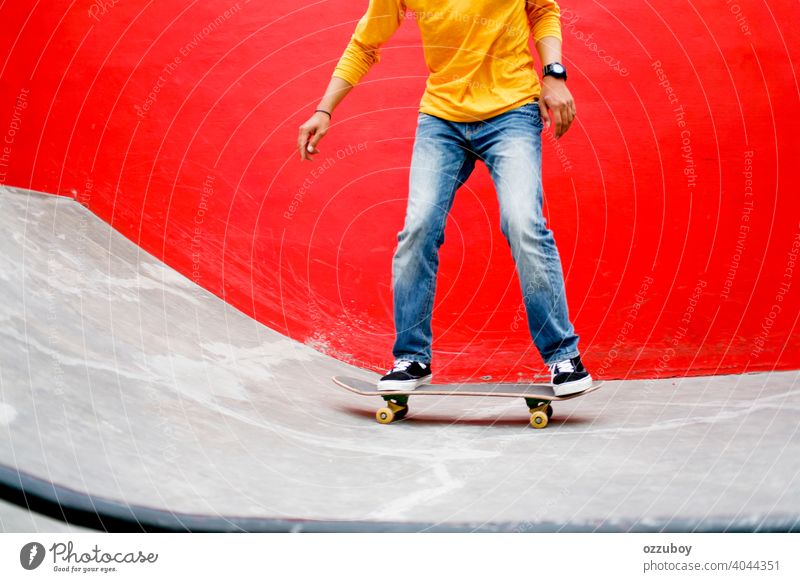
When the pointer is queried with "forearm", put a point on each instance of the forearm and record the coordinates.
(336, 91)
(556, 104)
(549, 49)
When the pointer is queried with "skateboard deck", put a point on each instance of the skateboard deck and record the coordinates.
(537, 396)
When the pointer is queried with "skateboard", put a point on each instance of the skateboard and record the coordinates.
(537, 396)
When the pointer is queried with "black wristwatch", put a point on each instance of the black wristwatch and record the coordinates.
(556, 70)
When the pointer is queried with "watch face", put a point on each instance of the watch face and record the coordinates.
(557, 68)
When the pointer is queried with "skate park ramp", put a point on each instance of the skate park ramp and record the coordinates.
(132, 399)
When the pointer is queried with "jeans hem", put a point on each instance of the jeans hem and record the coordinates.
(418, 359)
(558, 358)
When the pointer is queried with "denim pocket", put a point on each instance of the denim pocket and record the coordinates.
(533, 111)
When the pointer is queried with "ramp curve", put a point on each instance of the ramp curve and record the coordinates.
(124, 385)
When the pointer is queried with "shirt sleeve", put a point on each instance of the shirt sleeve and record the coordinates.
(544, 18)
(379, 23)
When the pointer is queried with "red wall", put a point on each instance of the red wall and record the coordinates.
(206, 176)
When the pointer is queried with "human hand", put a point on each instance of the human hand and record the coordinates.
(311, 132)
(556, 105)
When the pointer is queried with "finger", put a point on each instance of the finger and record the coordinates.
(564, 122)
(568, 117)
(543, 114)
(315, 139)
(557, 121)
(302, 141)
(310, 151)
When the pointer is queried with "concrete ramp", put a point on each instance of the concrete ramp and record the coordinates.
(132, 399)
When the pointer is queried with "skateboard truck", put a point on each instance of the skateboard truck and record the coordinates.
(395, 409)
(541, 412)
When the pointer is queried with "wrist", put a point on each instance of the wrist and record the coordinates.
(555, 70)
(325, 111)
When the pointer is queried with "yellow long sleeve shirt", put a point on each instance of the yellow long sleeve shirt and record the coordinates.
(477, 51)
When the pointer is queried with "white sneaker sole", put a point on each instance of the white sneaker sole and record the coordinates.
(573, 387)
(403, 385)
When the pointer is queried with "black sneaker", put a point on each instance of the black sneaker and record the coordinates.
(569, 377)
(405, 375)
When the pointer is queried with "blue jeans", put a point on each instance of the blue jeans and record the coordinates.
(510, 144)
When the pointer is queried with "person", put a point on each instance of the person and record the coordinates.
(483, 101)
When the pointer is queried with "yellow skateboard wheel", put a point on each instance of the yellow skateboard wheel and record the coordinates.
(384, 415)
(539, 419)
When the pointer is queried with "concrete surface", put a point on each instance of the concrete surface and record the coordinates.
(14, 519)
(121, 378)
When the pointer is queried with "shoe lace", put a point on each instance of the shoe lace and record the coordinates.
(401, 365)
(562, 366)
